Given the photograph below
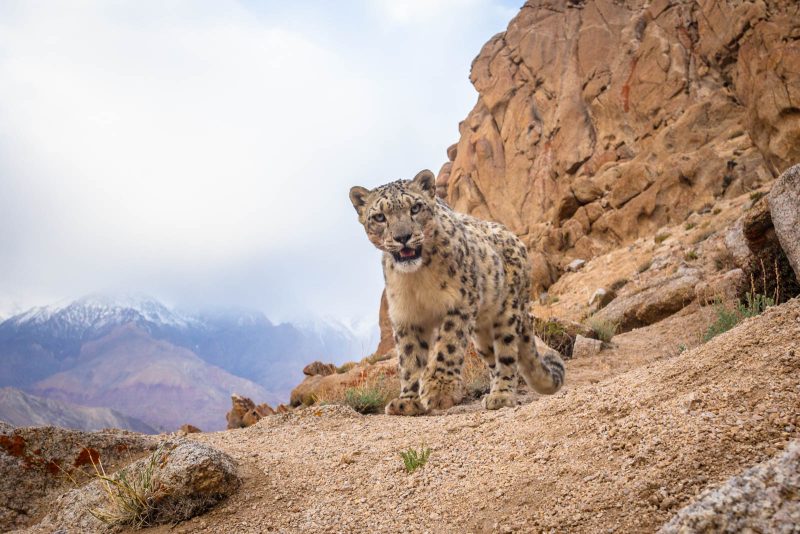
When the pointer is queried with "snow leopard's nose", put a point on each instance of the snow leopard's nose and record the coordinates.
(402, 239)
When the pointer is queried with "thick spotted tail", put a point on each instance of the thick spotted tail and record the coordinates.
(543, 373)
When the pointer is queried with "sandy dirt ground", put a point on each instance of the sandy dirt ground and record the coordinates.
(637, 432)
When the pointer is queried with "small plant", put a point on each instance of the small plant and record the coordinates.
(717, 211)
(367, 398)
(129, 497)
(644, 266)
(690, 256)
(603, 329)
(660, 238)
(554, 299)
(727, 318)
(689, 226)
(681, 348)
(413, 459)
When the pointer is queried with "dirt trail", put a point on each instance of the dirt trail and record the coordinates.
(618, 455)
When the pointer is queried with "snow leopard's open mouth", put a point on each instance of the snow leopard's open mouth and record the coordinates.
(407, 254)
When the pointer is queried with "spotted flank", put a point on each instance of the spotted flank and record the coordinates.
(452, 279)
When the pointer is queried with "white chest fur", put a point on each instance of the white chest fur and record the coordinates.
(418, 298)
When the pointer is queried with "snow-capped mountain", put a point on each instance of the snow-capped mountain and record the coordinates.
(95, 313)
(46, 350)
(360, 335)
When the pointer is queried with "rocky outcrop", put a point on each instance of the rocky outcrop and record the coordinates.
(187, 479)
(244, 412)
(727, 286)
(37, 463)
(758, 251)
(387, 339)
(319, 368)
(650, 305)
(600, 122)
(315, 389)
(762, 499)
(784, 208)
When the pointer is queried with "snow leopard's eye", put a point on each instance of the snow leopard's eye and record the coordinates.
(379, 217)
(415, 208)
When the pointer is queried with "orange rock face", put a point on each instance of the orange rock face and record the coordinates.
(244, 412)
(387, 339)
(599, 122)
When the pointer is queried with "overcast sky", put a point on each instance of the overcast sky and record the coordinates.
(202, 151)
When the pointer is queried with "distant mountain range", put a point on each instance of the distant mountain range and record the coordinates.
(22, 409)
(139, 357)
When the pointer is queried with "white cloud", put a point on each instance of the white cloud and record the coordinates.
(189, 147)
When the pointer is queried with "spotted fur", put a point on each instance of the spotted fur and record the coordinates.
(451, 278)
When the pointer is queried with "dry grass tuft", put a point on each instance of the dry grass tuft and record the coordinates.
(130, 497)
(346, 367)
(603, 329)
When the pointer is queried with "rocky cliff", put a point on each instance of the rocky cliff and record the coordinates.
(599, 122)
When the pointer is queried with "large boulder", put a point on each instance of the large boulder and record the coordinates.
(784, 208)
(319, 368)
(186, 478)
(650, 305)
(765, 498)
(37, 463)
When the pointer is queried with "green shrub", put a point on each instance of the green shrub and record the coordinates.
(660, 238)
(367, 398)
(754, 304)
(690, 256)
(413, 460)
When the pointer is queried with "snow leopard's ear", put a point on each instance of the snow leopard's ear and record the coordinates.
(426, 182)
(358, 196)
